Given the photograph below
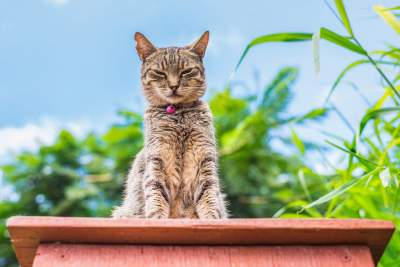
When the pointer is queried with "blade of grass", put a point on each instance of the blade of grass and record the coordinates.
(334, 193)
(375, 114)
(325, 33)
(347, 69)
(338, 191)
(393, 8)
(362, 159)
(388, 17)
(383, 75)
(297, 142)
(303, 183)
(315, 48)
(343, 15)
(373, 62)
(396, 201)
(340, 40)
(271, 38)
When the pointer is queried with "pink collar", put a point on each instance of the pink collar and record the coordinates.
(170, 109)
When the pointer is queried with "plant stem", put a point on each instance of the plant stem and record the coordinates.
(378, 69)
(366, 53)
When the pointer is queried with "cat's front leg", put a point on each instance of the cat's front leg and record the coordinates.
(155, 191)
(209, 200)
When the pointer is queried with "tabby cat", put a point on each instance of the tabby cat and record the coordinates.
(175, 175)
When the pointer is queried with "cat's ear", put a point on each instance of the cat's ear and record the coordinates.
(144, 47)
(199, 47)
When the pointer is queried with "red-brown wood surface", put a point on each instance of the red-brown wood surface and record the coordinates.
(62, 255)
(27, 232)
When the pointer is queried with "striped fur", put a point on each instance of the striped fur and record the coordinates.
(175, 175)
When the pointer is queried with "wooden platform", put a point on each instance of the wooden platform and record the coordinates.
(56, 241)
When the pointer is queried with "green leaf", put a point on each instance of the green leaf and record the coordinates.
(243, 134)
(373, 114)
(388, 17)
(315, 45)
(326, 34)
(393, 8)
(276, 95)
(342, 41)
(385, 177)
(297, 142)
(343, 15)
(303, 183)
(347, 69)
(315, 114)
(335, 193)
(273, 38)
(362, 159)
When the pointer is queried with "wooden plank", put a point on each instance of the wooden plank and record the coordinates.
(27, 232)
(62, 255)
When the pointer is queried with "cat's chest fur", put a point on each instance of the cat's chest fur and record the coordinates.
(182, 127)
(183, 141)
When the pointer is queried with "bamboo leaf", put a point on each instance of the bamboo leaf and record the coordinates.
(273, 38)
(385, 177)
(347, 69)
(342, 41)
(326, 34)
(334, 193)
(340, 190)
(343, 15)
(393, 8)
(362, 159)
(303, 183)
(373, 114)
(315, 45)
(314, 114)
(388, 17)
(297, 142)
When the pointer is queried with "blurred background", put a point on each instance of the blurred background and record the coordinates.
(307, 124)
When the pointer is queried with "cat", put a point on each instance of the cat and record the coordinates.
(175, 175)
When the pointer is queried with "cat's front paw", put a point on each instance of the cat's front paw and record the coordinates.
(212, 214)
(118, 214)
(122, 212)
(157, 215)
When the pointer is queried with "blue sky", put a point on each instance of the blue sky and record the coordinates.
(72, 63)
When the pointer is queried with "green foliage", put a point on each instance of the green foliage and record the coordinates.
(84, 177)
(70, 177)
(366, 183)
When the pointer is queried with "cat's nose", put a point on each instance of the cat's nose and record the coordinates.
(174, 87)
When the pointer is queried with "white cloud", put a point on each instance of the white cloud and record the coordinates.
(58, 2)
(32, 135)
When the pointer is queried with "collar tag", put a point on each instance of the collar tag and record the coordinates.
(170, 109)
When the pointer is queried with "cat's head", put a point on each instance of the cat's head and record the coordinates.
(172, 75)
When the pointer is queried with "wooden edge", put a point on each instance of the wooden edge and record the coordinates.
(27, 232)
(70, 222)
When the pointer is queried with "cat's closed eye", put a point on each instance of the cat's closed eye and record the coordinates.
(156, 74)
(159, 73)
(188, 72)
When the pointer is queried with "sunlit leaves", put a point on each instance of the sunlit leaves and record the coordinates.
(375, 113)
(343, 15)
(385, 177)
(297, 141)
(388, 17)
(341, 41)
